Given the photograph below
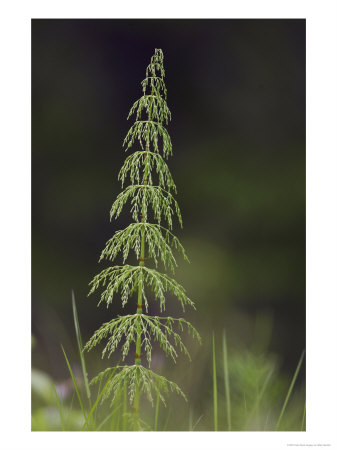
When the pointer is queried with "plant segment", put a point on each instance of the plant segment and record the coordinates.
(150, 194)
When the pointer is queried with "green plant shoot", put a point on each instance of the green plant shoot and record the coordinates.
(150, 195)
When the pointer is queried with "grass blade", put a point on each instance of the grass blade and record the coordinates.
(290, 390)
(226, 378)
(94, 418)
(74, 382)
(215, 391)
(303, 418)
(156, 414)
(125, 407)
(196, 423)
(190, 420)
(80, 346)
(98, 398)
(59, 408)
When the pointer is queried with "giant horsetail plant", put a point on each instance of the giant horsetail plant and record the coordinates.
(148, 240)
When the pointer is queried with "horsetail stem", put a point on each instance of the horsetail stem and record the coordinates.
(149, 241)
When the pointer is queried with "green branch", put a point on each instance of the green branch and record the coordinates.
(148, 382)
(158, 328)
(127, 279)
(148, 132)
(142, 196)
(159, 247)
(146, 160)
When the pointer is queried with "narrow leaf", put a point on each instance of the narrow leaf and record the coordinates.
(215, 392)
(80, 346)
(290, 389)
(226, 380)
(74, 382)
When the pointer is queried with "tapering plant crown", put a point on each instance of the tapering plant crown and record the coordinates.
(148, 241)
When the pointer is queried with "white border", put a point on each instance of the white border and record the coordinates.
(321, 221)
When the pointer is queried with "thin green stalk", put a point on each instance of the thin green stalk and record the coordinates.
(156, 414)
(226, 379)
(303, 417)
(80, 346)
(290, 390)
(95, 414)
(139, 311)
(215, 391)
(190, 420)
(74, 383)
(140, 297)
(257, 406)
(196, 423)
(125, 406)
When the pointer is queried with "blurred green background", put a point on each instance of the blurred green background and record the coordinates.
(236, 90)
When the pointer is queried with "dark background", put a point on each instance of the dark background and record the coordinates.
(236, 90)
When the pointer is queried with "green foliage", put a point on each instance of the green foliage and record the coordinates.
(254, 390)
(156, 64)
(154, 105)
(156, 85)
(148, 132)
(142, 196)
(160, 328)
(147, 241)
(159, 245)
(257, 390)
(127, 279)
(134, 164)
(137, 376)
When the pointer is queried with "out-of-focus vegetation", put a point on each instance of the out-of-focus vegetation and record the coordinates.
(237, 96)
(240, 390)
